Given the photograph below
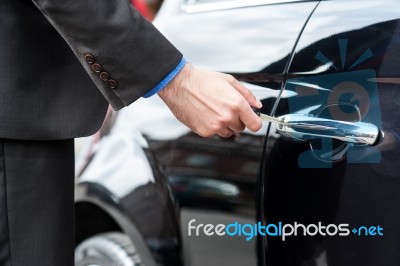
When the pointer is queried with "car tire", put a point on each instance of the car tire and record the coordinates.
(108, 249)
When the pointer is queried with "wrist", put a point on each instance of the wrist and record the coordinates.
(178, 82)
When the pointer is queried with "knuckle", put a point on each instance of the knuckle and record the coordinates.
(238, 105)
(230, 78)
(225, 134)
(216, 127)
(205, 133)
(225, 120)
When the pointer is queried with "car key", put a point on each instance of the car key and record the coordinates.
(268, 118)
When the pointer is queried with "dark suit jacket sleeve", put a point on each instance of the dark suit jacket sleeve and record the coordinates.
(111, 37)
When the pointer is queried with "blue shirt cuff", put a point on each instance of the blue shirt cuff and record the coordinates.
(166, 80)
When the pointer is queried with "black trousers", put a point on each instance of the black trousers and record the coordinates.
(36, 203)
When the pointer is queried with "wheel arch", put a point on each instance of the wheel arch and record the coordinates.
(87, 217)
(113, 221)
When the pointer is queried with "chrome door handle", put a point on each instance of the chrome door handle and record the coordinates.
(305, 127)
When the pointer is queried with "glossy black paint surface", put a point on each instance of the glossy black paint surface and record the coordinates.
(215, 180)
(361, 187)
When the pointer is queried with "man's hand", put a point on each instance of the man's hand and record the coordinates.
(211, 103)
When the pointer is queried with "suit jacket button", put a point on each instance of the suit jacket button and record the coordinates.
(96, 67)
(89, 58)
(112, 84)
(104, 76)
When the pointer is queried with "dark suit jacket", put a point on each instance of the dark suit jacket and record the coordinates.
(62, 62)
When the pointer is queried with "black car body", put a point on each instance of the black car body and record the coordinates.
(149, 176)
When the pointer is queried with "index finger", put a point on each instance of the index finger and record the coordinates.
(247, 94)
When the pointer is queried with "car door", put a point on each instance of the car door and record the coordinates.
(333, 193)
(215, 179)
